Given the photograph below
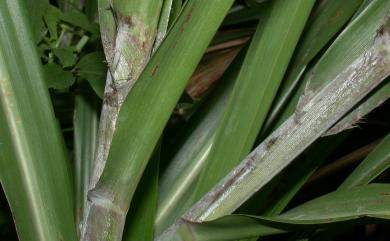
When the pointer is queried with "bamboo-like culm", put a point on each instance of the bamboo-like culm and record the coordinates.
(315, 114)
(128, 30)
(144, 113)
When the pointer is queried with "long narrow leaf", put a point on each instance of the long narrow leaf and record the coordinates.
(178, 180)
(85, 124)
(284, 188)
(37, 10)
(261, 73)
(366, 204)
(163, 23)
(142, 213)
(373, 165)
(33, 168)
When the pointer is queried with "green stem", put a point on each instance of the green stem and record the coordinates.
(144, 114)
(128, 33)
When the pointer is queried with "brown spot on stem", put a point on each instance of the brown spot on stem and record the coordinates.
(385, 193)
(228, 183)
(298, 116)
(127, 20)
(111, 96)
(385, 27)
(271, 142)
(7, 93)
(189, 15)
(380, 31)
(154, 70)
(187, 18)
(135, 41)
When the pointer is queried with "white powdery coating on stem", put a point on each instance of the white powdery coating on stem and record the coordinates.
(130, 56)
(296, 134)
(353, 118)
(130, 53)
(104, 220)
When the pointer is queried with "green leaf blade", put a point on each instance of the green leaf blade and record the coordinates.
(33, 168)
(367, 204)
(85, 122)
(373, 165)
(142, 213)
(178, 180)
(262, 71)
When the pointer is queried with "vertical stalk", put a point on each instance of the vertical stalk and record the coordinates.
(128, 31)
(144, 114)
